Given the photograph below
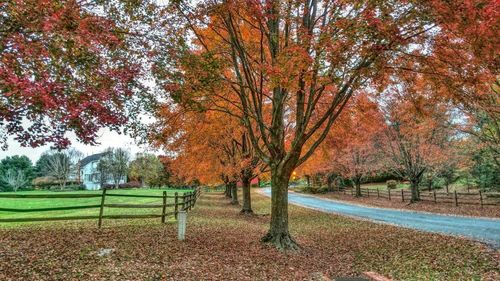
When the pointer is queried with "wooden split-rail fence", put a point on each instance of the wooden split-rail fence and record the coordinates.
(455, 198)
(181, 202)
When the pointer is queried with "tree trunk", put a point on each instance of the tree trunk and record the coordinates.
(415, 194)
(247, 203)
(227, 192)
(357, 184)
(330, 183)
(308, 178)
(278, 233)
(234, 193)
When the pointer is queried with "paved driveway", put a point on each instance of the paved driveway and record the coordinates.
(482, 229)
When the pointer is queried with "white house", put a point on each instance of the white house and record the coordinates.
(90, 176)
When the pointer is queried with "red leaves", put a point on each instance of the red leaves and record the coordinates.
(61, 70)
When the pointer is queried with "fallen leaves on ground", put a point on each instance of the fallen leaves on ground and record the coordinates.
(221, 244)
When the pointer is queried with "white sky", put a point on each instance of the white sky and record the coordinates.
(106, 139)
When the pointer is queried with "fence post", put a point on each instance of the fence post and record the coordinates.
(456, 199)
(434, 193)
(164, 209)
(176, 210)
(481, 198)
(101, 211)
(183, 202)
(389, 192)
(402, 195)
(194, 199)
(181, 226)
(368, 192)
(190, 200)
(378, 194)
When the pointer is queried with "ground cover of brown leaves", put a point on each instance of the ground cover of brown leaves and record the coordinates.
(441, 208)
(221, 244)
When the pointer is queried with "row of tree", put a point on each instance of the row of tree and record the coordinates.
(289, 82)
(405, 138)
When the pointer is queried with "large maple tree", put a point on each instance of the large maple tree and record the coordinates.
(66, 66)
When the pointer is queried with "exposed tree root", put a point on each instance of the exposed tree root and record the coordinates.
(282, 241)
(247, 212)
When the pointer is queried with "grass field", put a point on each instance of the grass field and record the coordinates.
(36, 203)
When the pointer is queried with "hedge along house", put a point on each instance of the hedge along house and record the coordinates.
(90, 174)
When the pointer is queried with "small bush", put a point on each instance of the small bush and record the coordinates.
(313, 189)
(44, 182)
(392, 184)
(132, 184)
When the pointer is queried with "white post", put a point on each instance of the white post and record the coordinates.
(181, 226)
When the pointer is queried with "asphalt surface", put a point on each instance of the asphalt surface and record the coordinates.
(486, 230)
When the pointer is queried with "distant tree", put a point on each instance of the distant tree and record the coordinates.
(359, 155)
(418, 134)
(62, 164)
(484, 145)
(15, 178)
(484, 169)
(116, 164)
(40, 168)
(103, 168)
(18, 164)
(148, 169)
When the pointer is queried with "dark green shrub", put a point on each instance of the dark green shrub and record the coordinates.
(392, 184)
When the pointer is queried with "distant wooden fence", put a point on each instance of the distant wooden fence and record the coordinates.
(455, 198)
(184, 202)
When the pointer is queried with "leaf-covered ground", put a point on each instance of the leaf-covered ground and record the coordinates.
(442, 208)
(224, 245)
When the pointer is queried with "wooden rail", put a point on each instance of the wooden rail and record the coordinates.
(188, 201)
(455, 198)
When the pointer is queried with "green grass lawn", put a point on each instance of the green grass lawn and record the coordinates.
(36, 203)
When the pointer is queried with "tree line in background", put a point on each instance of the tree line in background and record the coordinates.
(60, 169)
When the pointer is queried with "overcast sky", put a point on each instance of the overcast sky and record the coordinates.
(107, 139)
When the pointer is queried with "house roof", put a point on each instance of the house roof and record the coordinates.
(92, 158)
